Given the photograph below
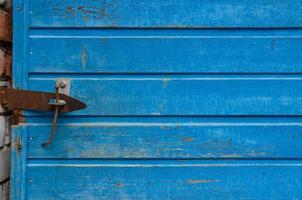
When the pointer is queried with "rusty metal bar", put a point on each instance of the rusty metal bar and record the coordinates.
(37, 101)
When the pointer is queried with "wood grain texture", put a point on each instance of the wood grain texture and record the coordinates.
(19, 160)
(184, 95)
(170, 13)
(190, 140)
(267, 180)
(160, 52)
(186, 99)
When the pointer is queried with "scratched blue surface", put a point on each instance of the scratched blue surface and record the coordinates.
(186, 99)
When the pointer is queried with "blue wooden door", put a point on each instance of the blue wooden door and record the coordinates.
(187, 99)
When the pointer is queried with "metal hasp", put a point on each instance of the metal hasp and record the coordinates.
(14, 99)
(57, 103)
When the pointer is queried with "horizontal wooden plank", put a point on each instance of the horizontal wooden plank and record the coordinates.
(166, 54)
(152, 180)
(168, 141)
(183, 95)
(169, 13)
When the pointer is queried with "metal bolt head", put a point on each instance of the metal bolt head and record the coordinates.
(62, 84)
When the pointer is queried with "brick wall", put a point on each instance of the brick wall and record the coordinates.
(5, 80)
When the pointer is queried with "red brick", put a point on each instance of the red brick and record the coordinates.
(5, 63)
(5, 26)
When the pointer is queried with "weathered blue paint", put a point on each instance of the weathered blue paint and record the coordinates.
(154, 51)
(189, 95)
(165, 180)
(170, 13)
(19, 162)
(183, 140)
(186, 99)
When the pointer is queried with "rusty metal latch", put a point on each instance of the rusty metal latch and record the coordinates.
(14, 99)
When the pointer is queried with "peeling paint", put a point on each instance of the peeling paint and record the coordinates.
(188, 139)
(119, 185)
(202, 181)
(165, 83)
(273, 44)
(84, 57)
(70, 9)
